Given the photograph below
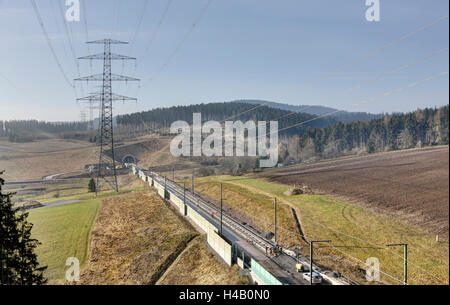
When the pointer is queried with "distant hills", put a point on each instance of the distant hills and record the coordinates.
(163, 117)
(244, 110)
(342, 116)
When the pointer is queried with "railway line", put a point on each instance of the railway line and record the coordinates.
(285, 261)
(211, 209)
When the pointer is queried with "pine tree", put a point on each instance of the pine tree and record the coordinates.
(91, 185)
(18, 261)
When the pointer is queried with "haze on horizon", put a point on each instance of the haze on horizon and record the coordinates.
(254, 49)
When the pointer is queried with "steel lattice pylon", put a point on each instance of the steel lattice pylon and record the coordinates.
(107, 163)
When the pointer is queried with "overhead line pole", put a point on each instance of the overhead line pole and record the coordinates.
(405, 260)
(221, 208)
(193, 192)
(311, 245)
(275, 218)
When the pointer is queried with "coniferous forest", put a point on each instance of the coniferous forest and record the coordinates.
(427, 127)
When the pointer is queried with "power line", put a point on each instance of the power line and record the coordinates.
(138, 27)
(357, 259)
(183, 40)
(360, 59)
(69, 36)
(180, 44)
(41, 23)
(387, 93)
(386, 46)
(158, 26)
(9, 81)
(154, 33)
(115, 18)
(381, 76)
(365, 101)
(86, 31)
(136, 32)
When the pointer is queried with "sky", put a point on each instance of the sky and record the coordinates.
(280, 51)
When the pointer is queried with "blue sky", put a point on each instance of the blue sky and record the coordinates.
(247, 49)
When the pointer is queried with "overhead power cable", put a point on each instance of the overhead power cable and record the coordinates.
(362, 58)
(136, 32)
(381, 76)
(346, 90)
(55, 57)
(115, 18)
(154, 33)
(138, 27)
(69, 35)
(376, 51)
(365, 101)
(183, 40)
(158, 26)
(86, 30)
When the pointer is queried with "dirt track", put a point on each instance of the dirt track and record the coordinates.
(412, 185)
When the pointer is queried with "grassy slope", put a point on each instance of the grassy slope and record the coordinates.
(357, 233)
(197, 266)
(64, 232)
(136, 238)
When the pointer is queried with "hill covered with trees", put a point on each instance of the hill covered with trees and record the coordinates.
(163, 117)
(342, 116)
(420, 128)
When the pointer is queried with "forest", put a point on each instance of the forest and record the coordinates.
(420, 128)
(162, 118)
(30, 130)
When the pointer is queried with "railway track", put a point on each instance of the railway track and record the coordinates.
(208, 207)
(284, 261)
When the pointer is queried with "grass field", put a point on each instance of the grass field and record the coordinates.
(357, 232)
(64, 232)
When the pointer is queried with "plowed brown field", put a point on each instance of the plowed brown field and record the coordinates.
(412, 185)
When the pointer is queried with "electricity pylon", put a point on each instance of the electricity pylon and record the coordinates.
(91, 105)
(83, 116)
(107, 163)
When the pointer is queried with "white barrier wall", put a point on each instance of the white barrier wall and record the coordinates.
(178, 202)
(220, 246)
(159, 188)
(199, 220)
